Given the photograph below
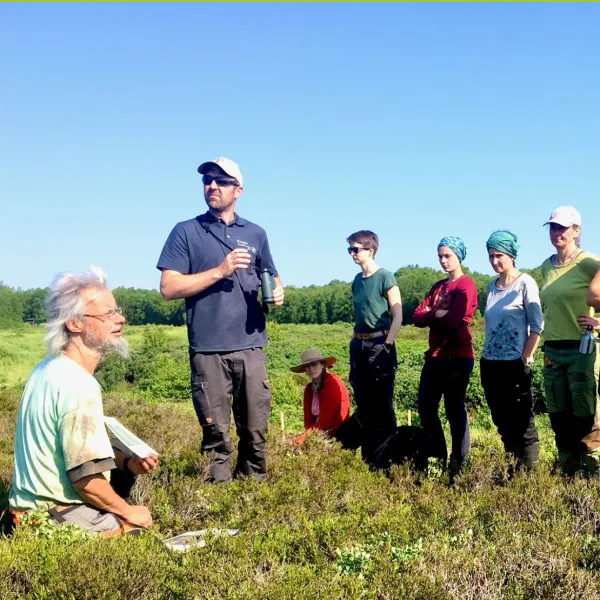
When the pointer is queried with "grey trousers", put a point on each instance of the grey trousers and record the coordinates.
(91, 518)
(222, 381)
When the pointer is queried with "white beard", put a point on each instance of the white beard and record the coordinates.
(119, 345)
(102, 346)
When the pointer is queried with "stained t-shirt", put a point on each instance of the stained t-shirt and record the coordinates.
(60, 426)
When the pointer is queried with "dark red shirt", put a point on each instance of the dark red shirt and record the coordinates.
(450, 335)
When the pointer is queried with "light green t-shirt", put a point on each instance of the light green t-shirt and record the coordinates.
(371, 309)
(60, 426)
(563, 295)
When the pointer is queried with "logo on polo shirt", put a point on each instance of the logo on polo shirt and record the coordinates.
(246, 245)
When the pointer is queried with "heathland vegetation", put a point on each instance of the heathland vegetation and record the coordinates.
(322, 526)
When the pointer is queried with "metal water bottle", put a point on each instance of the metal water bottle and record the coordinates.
(588, 342)
(267, 283)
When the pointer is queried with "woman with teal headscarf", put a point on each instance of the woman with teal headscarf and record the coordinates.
(513, 325)
(448, 310)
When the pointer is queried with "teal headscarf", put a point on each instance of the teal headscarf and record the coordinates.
(503, 241)
(456, 245)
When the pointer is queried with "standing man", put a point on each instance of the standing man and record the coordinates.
(64, 462)
(377, 320)
(214, 262)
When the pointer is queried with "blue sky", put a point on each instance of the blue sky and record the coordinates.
(413, 120)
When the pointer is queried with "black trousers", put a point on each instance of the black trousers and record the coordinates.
(448, 377)
(222, 381)
(122, 482)
(372, 374)
(507, 385)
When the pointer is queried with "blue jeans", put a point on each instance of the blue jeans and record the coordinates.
(448, 377)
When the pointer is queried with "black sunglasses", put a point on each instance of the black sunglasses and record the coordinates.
(356, 249)
(219, 180)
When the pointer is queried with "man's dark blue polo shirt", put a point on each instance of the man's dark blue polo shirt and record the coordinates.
(226, 316)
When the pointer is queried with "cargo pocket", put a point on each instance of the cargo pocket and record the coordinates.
(583, 389)
(201, 400)
(524, 391)
(555, 401)
(382, 365)
(266, 398)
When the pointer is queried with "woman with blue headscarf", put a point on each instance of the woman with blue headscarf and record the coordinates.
(448, 310)
(513, 325)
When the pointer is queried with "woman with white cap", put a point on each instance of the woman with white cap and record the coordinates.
(513, 325)
(569, 378)
(448, 310)
(326, 398)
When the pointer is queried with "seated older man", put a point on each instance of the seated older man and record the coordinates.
(64, 461)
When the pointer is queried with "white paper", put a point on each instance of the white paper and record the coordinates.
(195, 539)
(129, 441)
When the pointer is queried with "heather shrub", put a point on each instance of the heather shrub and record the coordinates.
(322, 526)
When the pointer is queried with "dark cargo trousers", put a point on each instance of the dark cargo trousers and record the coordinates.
(222, 381)
(372, 374)
(570, 387)
(508, 390)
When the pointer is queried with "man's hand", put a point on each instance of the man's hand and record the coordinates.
(278, 295)
(587, 321)
(141, 466)
(441, 313)
(137, 515)
(237, 259)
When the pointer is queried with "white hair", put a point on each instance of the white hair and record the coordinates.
(65, 303)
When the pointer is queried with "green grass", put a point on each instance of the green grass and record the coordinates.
(322, 526)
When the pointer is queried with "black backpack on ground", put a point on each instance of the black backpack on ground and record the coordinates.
(350, 433)
(407, 444)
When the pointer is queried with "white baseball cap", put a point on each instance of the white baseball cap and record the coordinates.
(227, 165)
(565, 216)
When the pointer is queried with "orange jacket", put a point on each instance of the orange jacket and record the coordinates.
(334, 405)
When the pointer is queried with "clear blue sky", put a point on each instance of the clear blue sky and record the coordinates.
(415, 121)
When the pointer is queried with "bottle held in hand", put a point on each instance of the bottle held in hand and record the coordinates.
(267, 283)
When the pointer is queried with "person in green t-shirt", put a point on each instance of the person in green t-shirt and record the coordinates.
(64, 460)
(570, 381)
(373, 362)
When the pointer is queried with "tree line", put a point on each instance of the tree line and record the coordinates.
(316, 304)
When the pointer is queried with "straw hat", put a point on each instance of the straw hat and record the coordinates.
(311, 356)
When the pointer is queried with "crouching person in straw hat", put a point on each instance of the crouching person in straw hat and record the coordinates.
(326, 398)
(64, 462)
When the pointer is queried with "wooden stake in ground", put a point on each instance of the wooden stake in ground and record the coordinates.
(282, 422)
(409, 417)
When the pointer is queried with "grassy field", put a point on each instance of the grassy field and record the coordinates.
(322, 526)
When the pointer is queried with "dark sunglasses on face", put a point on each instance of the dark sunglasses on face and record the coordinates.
(355, 249)
(219, 180)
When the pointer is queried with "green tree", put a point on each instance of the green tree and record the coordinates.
(11, 307)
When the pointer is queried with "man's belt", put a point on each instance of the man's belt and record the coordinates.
(371, 334)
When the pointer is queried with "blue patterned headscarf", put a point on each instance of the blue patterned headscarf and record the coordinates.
(503, 241)
(456, 245)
